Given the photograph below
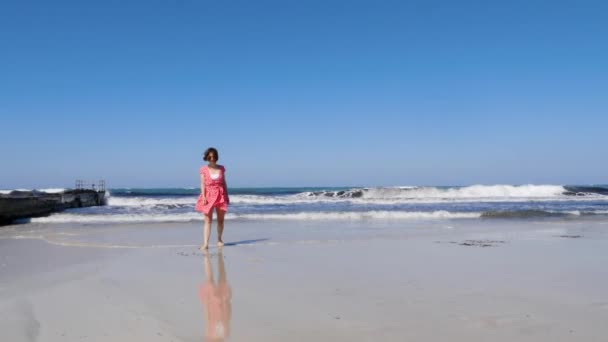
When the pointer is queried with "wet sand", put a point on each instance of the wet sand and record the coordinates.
(457, 280)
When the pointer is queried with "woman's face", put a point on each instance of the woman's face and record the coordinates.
(211, 157)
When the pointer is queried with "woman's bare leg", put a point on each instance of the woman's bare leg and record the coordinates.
(220, 226)
(207, 230)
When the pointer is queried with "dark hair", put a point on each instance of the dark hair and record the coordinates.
(211, 150)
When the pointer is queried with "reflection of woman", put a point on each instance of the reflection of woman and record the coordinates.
(216, 301)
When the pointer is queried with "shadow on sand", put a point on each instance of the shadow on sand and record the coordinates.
(243, 242)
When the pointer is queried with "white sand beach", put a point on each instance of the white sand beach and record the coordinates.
(456, 280)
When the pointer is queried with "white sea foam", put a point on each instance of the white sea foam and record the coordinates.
(49, 190)
(601, 212)
(52, 190)
(193, 216)
(468, 192)
(8, 191)
(379, 196)
(118, 218)
(371, 215)
(149, 201)
(396, 195)
(143, 202)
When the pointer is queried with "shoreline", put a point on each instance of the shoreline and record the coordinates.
(538, 280)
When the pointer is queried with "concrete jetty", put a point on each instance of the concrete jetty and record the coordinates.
(25, 204)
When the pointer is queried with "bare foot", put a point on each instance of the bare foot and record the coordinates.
(220, 243)
(204, 248)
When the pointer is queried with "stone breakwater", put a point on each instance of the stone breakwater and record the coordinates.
(26, 204)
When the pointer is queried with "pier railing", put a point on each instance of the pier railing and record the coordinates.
(91, 185)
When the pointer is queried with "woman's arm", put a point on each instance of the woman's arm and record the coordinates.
(203, 189)
(226, 189)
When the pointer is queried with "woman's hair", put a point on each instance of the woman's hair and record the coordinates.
(211, 150)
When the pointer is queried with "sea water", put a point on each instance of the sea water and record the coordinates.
(350, 203)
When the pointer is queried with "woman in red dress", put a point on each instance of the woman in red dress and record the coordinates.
(214, 194)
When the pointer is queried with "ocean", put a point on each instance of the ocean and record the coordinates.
(131, 205)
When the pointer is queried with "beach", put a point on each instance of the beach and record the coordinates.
(327, 280)
(386, 171)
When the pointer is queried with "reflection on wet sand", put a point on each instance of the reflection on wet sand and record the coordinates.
(216, 298)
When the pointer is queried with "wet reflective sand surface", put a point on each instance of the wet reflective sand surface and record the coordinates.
(460, 280)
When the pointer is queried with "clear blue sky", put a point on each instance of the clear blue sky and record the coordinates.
(301, 93)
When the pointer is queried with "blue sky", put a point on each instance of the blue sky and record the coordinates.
(304, 93)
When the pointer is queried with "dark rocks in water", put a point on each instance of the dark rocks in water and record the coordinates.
(357, 194)
(337, 194)
(26, 204)
(348, 194)
(584, 190)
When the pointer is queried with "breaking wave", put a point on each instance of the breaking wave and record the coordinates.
(390, 195)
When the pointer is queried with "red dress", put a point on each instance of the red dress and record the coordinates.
(214, 192)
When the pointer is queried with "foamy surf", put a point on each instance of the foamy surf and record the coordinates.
(374, 203)
(367, 215)
(117, 218)
(48, 191)
(149, 202)
(193, 217)
(311, 216)
(379, 196)
(467, 193)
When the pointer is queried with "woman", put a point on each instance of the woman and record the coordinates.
(214, 194)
